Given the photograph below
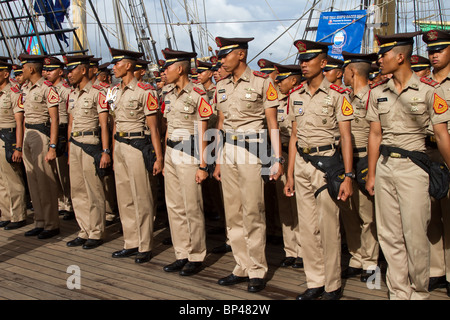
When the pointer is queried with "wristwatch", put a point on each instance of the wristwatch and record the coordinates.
(52, 146)
(281, 160)
(350, 174)
(19, 149)
(106, 151)
(203, 168)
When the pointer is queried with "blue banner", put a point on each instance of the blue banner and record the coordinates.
(343, 28)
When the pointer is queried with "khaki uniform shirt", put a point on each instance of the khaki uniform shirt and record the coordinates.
(317, 116)
(243, 102)
(360, 125)
(102, 86)
(85, 106)
(405, 116)
(183, 109)
(133, 103)
(63, 90)
(283, 119)
(210, 92)
(38, 98)
(10, 104)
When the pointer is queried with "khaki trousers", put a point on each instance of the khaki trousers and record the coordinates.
(12, 189)
(358, 218)
(402, 206)
(64, 200)
(318, 220)
(439, 230)
(184, 204)
(42, 179)
(88, 198)
(134, 197)
(287, 209)
(243, 193)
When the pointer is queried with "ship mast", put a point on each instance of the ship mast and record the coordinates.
(79, 22)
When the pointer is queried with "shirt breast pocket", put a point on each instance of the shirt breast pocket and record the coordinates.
(324, 117)
(384, 112)
(132, 109)
(250, 101)
(87, 107)
(416, 115)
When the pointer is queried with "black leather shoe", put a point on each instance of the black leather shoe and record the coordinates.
(47, 234)
(298, 263)
(333, 295)
(92, 243)
(69, 215)
(191, 268)
(76, 242)
(287, 262)
(437, 282)
(365, 275)
(16, 225)
(125, 253)
(223, 248)
(143, 257)
(351, 272)
(231, 279)
(311, 294)
(256, 285)
(4, 223)
(176, 266)
(33, 232)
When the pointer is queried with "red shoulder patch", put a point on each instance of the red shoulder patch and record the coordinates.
(104, 84)
(66, 85)
(337, 88)
(15, 89)
(48, 83)
(429, 81)
(145, 86)
(199, 91)
(96, 86)
(378, 83)
(296, 88)
(261, 74)
(102, 101)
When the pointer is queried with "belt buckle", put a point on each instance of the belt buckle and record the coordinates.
(395, 155)
(307, 150)
(75, 134)
(122, 134)
(234, 137)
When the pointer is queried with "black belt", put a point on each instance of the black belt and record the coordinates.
(82, 134)
(358, 150)
(35, 126)
(394, 152)
(63, 125)
(285, 147)
(430, 141)
(7, 130)
(122, 134)
(309, 150)
(234, 138)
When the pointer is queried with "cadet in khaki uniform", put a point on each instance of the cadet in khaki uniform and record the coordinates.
(438, 42)
(41, 101)
(318, 110)
(187, 112)
(288, 78)
(245, 99)
(134, 107)
(12, 187)
(87, 110)
(54, 71)
(421, 66)
(333, 71)
(358, 214)
(400, 110)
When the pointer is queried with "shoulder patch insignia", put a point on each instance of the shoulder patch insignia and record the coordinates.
(96, 86)
(66, 85)
(379, 83)
(20, 101)
(439, 105)
(337, 88)
(199, 91)
(145, 86)
(102, 101)
(48, 83)
(15, 89)
(429, 81)
(104, 84)
(271, 93)
(347, 108)
(152, 103)
(53, 96)
(204, 110)
(260, 74)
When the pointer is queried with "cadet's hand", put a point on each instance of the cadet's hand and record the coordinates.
(17, 156)
(276, 171)
(200, 176)
(105, 161)
(157, 167)
(216, 173)
(346, 189)
(289, 188)
(51, 155)
(370, 185)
